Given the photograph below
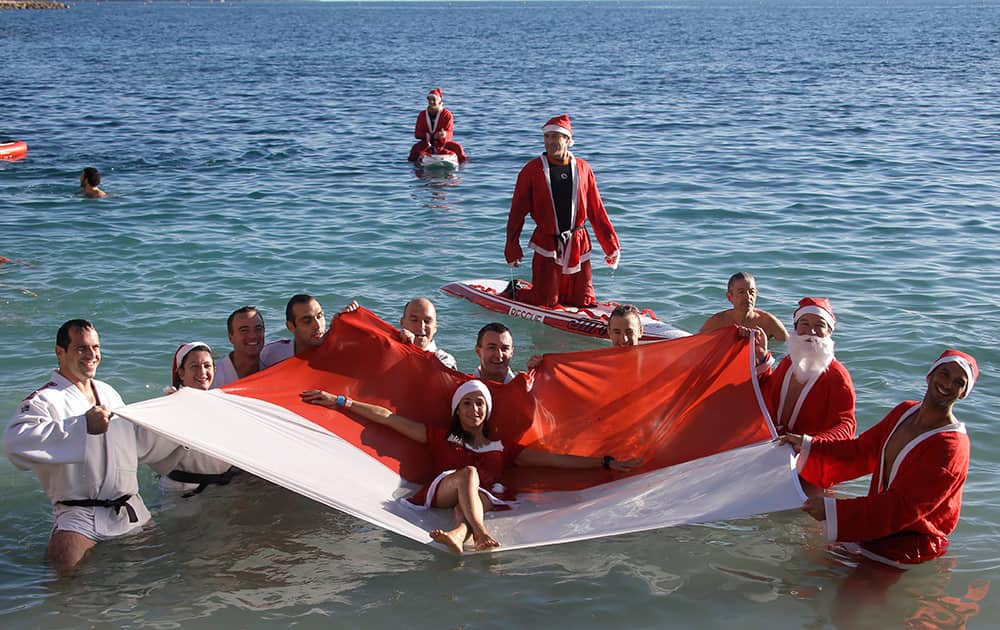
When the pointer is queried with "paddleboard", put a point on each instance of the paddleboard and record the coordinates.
(591, 321)
(438, 160)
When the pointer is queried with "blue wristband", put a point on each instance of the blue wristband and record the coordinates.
(341, 400)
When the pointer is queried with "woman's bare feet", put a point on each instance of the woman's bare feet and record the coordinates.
(484, 541)
(452, 539)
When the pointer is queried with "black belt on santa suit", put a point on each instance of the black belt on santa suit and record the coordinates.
(117, 504)
(562, 239)
(203, 480)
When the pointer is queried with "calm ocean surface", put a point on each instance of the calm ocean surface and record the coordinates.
(256, 150)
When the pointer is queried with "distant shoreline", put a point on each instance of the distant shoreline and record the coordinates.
(31, 4)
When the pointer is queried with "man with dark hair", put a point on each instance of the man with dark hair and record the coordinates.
(741, 291)
(304, 317)
(624, 326)
(918, 459)
(90, 183)
(85, 456)
(246, 333)
(495, 349)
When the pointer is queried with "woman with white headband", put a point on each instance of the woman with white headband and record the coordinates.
(194, 367)
(468, 462)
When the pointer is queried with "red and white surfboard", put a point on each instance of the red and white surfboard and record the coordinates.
(590, 322)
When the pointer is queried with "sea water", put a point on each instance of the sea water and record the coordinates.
(839, 148)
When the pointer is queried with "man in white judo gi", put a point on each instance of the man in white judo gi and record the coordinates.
(85, 457)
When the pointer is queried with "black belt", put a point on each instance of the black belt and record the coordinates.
(202, 479)
(562, 239)
(117, 504)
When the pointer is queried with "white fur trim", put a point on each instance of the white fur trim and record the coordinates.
(812, 309)
(557, 129)
(831, 518)
(858, 550)
(798, 403)
(800, 461)
(962, 363)
(429, 499)
(469, 387)
(617, 255)
(495, 445)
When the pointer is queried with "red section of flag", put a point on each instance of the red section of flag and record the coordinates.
(665, 403)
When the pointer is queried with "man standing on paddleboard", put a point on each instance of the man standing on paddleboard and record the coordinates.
(560, 193)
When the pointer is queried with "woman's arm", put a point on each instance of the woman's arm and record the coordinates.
(374, 413)
(531, 457)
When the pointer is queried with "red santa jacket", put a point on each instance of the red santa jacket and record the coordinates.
(533, 195)
(909, 510)
(444, 122)
(825, 406)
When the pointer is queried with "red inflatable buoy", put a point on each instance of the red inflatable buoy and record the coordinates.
(13, 150)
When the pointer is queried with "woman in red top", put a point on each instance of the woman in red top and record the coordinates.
(467, 461)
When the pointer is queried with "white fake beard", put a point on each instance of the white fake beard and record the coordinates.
(810, 355)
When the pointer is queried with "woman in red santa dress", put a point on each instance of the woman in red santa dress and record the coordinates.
(468, 463)
(918, 456)
(434, 130)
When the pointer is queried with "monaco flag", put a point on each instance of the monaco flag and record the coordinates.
(689, 409)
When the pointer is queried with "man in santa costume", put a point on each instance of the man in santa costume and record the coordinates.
(809, 391)
(918, 457)
(434, 130)
(560, 193)
(85, 456)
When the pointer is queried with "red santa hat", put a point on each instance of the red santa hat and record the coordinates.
(182, 352)
(964, 361)
(436, 92)
(815, 306)
(559, 124)
(469, 387)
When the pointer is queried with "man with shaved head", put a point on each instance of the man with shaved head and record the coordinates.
(418, 325)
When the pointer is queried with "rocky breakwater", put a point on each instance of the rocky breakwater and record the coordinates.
(31, 4)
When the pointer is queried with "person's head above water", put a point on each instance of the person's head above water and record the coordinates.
(951, 377)
(434, 100)
(471, 406)
(305, 319)
(420, 318)
(495, 349)
(194, 366)
(90, 182)
(624, 326)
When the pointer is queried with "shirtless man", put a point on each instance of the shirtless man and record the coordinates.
(246, 333)
(918, 457)
(304, 317)
(742, 294)
(495, 349)
(418, 325)
(85, 456)
(809, 391)
(90, 183)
